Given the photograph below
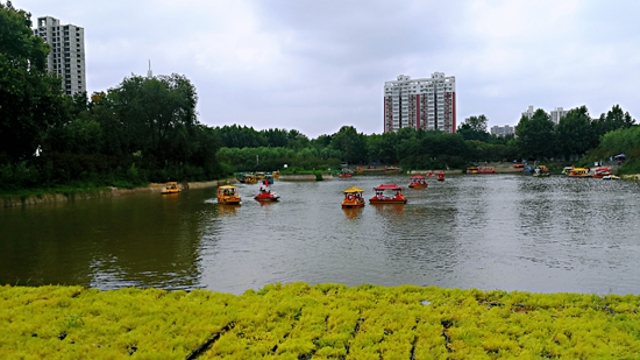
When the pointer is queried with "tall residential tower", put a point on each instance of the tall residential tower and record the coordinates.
(428, 104)
(66, 58)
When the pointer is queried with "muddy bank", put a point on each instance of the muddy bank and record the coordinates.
(81, 195)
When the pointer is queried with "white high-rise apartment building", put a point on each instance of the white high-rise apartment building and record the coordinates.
(555, 114)
(428, 104)
(66, 58)
(502, 131)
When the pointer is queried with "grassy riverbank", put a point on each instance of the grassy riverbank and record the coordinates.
(326, 321)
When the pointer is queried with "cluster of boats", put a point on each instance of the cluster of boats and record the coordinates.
(228, 194)
(256, 177)
(353, 196)
(481, 170)
(385, 193)
(598, 173)
(420, 181)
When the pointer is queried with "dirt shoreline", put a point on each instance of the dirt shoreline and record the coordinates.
(112, 192)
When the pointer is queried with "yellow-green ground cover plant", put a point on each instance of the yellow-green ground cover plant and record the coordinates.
(325, 321)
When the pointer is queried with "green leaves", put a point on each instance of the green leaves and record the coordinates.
(30, 98)
(325, 321)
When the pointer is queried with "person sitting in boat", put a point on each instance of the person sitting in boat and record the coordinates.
(379, 195)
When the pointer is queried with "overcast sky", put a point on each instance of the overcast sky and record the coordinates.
(315, 66)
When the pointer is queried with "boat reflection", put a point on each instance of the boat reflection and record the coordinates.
(389, 208)
(227, 210)
(352, 213)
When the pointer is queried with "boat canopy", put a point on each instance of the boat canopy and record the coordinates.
(387, 187)
(353, 189)
(226, 187)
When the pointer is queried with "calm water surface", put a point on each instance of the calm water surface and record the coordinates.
(490, 232)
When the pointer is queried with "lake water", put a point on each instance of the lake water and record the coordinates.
(507, 232)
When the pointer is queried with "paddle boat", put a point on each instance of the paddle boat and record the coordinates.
(579, 173)
(601, 172)
(228, 195)
(353, 198)
(266, 195)
(395, 197)
(610, 177)
(250, 179)
(481, 170)
(345, 174)
(268, 178)
(431, 173)
(392, 170)
(418, 182)
(541, 171)
(171, 188)
(440, 175)
(566, 170)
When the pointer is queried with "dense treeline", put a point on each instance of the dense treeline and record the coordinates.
(537, 138)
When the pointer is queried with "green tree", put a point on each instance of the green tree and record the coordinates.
(352, 145)
(474, 128)
(155, 116)
(383, 148)
(30, 98)
(614, 119)
(235, 136)
(574, 134)
(535, 136)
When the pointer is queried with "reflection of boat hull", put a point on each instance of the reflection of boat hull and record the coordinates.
(387, 201)
(418, 186)
(353, 206)
(229, 201)
(351, 213)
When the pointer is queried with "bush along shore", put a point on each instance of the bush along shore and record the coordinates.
(325, 321)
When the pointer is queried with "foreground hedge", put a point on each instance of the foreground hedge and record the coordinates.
(326, 321)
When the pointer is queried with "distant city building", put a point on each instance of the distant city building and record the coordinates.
(555, 114)
(502, 131)
(66, 58)
(428, 104)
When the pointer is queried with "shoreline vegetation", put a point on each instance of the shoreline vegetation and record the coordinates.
(323, 321)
